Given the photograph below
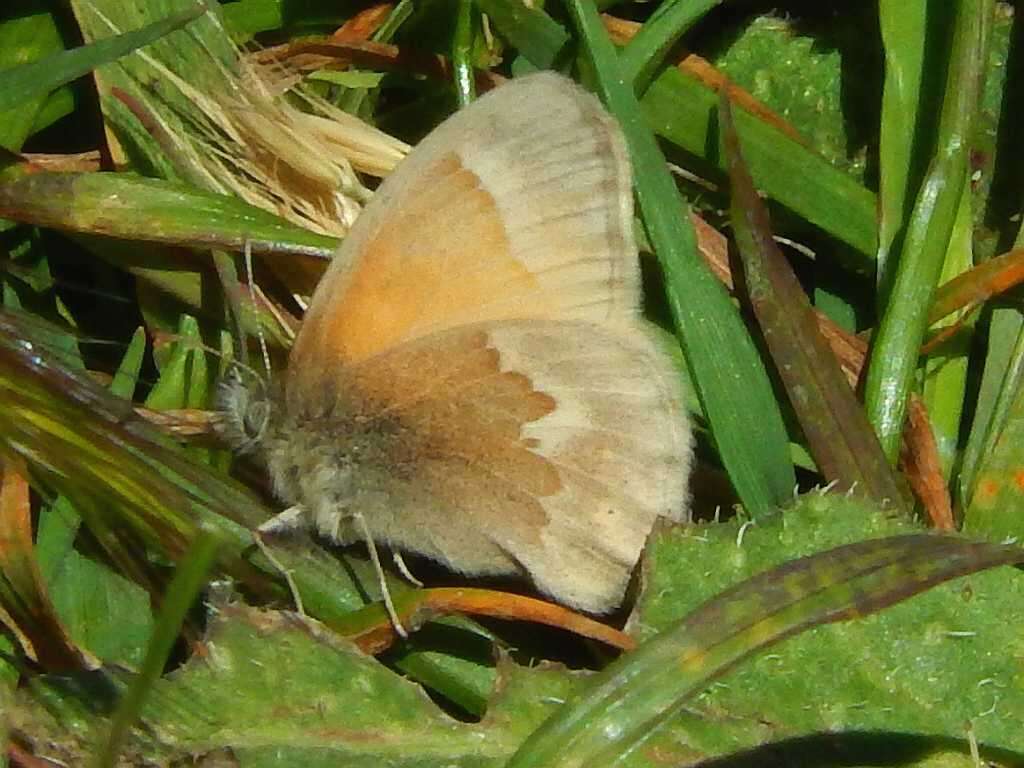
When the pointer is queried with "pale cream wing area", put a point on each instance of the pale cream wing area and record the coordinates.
(518, 206)
(537, 446)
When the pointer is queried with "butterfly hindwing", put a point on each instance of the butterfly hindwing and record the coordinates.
(547, 447)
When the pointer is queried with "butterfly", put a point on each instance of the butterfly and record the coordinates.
(473, 380)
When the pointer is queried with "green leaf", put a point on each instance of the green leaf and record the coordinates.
(1001, 382)
(103, 612)
(729, 375)
(278, 694)
(893, 676)
(996, 507)
(24, 39)
(26, 81)
(946, 372)
(800, 71)
(183, 381)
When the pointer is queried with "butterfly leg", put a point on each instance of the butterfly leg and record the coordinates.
(291, 519)
(375, 558)
(404, 569)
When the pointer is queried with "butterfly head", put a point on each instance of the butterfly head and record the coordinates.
(245, 406)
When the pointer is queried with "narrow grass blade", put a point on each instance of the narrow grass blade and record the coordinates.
(841, 441)
(153, 210)
(897, 343)
(181, 594)
(462, 54)
(28, 80)
(640, 691)
(646, 52)
(730, 377)
(126, 378)
(904, 36)
(945, 380)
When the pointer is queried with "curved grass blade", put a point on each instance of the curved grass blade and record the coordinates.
(28, 80)
(640, 691)
(731, 380)
(153, 210)
(897, 344)
(646, 52)
(841, 441)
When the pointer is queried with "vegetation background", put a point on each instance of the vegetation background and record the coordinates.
(147, 142)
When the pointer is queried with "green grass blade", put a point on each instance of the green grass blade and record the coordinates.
(462, 54)
(153, 210)
(730, 377)
(946, 372)
(645, 53)
(682, 111)
(638, 692)
(28, 80)
(126, 378)
(840, 439)
(894, 354)
(181, 594)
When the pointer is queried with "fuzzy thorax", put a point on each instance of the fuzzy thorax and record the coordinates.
(310, 457)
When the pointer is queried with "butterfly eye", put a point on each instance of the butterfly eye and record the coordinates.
(255, 419)
(245, 412)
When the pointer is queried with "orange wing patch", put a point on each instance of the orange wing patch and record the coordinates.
(408, 277)
(518, 207)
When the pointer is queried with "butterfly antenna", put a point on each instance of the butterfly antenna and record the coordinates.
(252, 298)
(375, 559)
